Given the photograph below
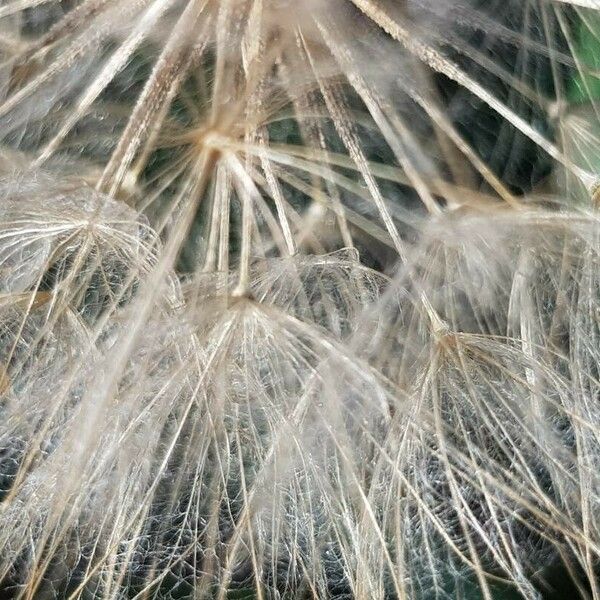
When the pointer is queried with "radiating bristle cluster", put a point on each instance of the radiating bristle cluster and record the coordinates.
(299, 299)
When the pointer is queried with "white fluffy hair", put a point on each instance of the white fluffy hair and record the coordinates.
(281, 317)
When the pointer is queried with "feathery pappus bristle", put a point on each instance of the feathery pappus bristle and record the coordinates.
(299, 299)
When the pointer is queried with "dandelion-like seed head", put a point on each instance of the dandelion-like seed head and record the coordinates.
(298, 300)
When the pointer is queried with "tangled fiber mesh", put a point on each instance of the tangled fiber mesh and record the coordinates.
(299, 299)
